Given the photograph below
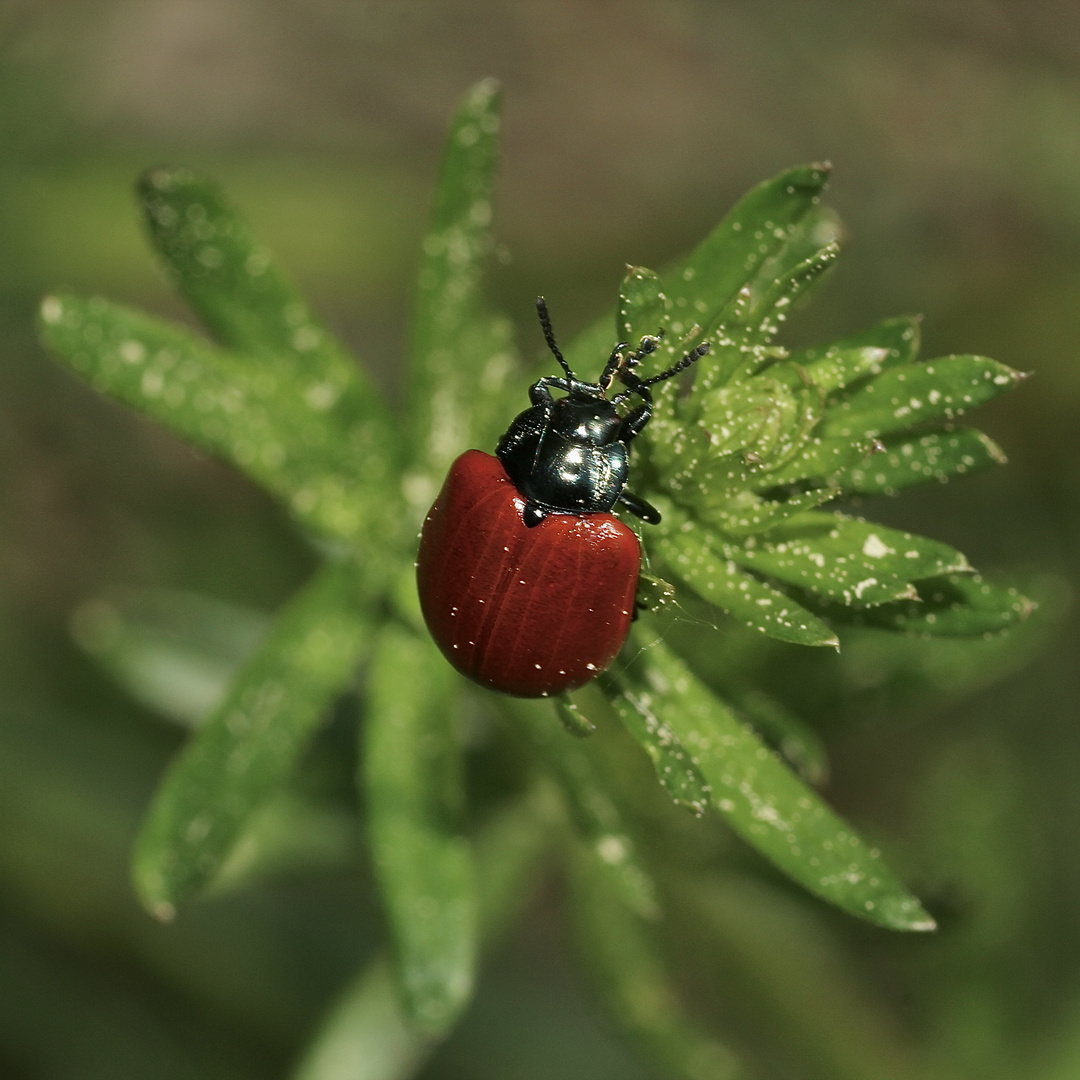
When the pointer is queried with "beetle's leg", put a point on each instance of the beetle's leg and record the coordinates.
(648, 344)
(615, 361)
(532, 515)
(634, 422)
(639, 507)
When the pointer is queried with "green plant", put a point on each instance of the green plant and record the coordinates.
(741, 468)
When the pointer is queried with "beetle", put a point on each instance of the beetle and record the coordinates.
(526, 578)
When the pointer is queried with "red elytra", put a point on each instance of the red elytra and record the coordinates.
(526, 611)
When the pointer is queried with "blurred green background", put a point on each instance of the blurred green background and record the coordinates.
(629, 128)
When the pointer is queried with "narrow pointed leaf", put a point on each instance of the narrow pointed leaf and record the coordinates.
(176, 652)
(764, 315)
(248, 303)
(423, 863)
(749, 515)
(640, 991)
(913, 394)
(756, 244)
(251, 743)
(843, 362)
(226, 404)
(675, 770)
(572, 718)
(839, 368)
(231, 280)
(691, 556)
(820, 459)
(765, 803)
(910, 461)
(699, 287)
(367, 1035)
(952, 605)
(460, 353)
(592, 808)
(641, 305)
(826, 1022)
(789, 735)
(856, 562)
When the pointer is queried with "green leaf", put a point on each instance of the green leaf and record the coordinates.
(247, 301)
(423, 863)
(790, 736)
(572, 718)
(731, 277)
(250, 744)
(762, 799)
(640, 992)
(758, 418)
(228, 405)
(591, 806)
(461, 355)
(750, 514)
(950, 605)
(840, 363)
(913, 394)
(819, 460)
(911, 460)
(760, 316)
(292, 834)
(825, 1021)
(367, 1035)
(691, 554)
(749, 244)
(641, 305)
(847, 559)
(841, 367)
(675, 769)
(176, 652)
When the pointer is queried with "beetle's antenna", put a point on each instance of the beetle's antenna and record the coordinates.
(682, 365)
(634, 385)
(549, 335)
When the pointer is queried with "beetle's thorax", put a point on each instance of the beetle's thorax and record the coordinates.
(565, 455)
(589, 420)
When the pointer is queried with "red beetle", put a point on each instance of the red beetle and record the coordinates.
(526, 580)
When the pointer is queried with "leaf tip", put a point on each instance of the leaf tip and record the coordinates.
(51, 310)
(901, 912)
(818, 173)
(573, 719)
(163, 911)
(487, 87)
(163, 180)
(150, 889)
(483, 99)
